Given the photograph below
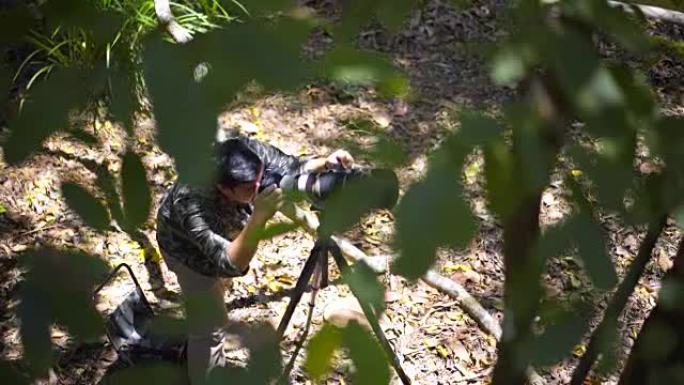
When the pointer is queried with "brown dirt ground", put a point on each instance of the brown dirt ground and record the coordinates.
(436, 340)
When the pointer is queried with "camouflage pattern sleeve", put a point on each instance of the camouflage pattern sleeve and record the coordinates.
(275, 160)
(190, 236)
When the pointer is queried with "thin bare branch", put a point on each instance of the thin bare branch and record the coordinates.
(651, 12)
(163, 9)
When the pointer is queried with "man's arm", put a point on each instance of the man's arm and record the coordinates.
(274, 159)
(243, 247)
(339, 158)
(277, 161)
(192, 226)
(224, 258)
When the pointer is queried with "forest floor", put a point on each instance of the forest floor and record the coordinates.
(437, 342)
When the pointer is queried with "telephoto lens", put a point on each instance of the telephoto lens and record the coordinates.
(381, 183)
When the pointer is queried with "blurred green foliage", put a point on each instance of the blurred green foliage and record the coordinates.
(113, 53)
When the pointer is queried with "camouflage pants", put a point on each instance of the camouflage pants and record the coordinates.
(206, 314)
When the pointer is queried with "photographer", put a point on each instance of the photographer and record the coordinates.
(208, 236)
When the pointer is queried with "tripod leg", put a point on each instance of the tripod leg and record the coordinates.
(290, 365)
(372, 319)
(300, 287)
(321, 271)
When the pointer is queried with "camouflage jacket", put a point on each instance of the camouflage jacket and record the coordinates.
(196, 226)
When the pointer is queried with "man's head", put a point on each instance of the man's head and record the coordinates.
(238, 170)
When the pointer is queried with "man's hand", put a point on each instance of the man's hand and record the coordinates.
(339, 159)
(243, 247)
(267, 203)
(336, 160)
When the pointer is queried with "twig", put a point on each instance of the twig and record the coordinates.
(44, 228)
(619, 300)
(179, 33)
(651, 12)
(476, 376)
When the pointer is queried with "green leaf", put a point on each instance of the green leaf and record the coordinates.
(185, 116)
(589, 237)
(668, 139)
(57, 288)
(360, 195)
(611, 175)
(372, 143)
(3, 209)
(592, 251)
(136, 192)
(387, 152)
(348, 65)
(608, 343)
(503, 187)
(533, 152)
(602, 91)
(394, 86)
(364, 283)
(15, 23)
(574, 60)
(248, 51)
(5, 85)
(477, 129)
(654, 196)
(614, 22)
(357, 13)
(43, 113)
(123, 100)
(554, 241)
(393, 13)
(265, 361)
(368, 357)
(671, 295)
(10, 375)
(636, 90)
(102, 25)
(431, 214)
(86, 206)
(320, 351)
(34, 313)
(276, 229)
(186, 110)
(508, 67)
(560, 336)
(679, 216)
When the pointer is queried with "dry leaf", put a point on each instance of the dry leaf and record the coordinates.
(443, 351)
(460, 352)
(452, 267)
(383, 120)
(664, 261)
(392, 296)
(579, 350)
(19, 248)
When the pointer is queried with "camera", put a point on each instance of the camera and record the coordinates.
(319, 186)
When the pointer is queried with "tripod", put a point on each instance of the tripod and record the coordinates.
(315, 271)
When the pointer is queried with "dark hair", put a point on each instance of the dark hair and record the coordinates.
(236, 163)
